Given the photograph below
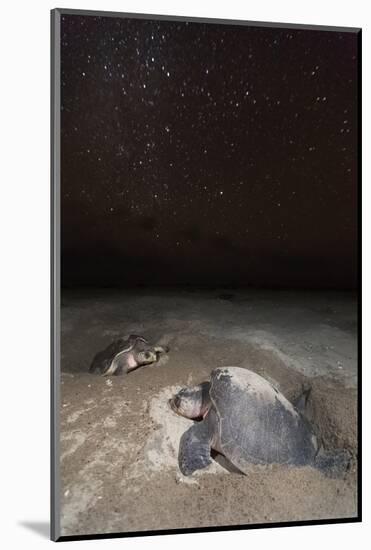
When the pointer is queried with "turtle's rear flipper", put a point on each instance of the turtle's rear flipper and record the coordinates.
(194, 448)
(332, 463)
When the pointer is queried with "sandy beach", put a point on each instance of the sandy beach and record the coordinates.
(119, 438)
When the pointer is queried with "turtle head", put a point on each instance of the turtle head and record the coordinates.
(145, 353)
(191, 402)
(146, 357)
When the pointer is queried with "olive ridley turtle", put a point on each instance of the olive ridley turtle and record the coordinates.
(124, 355)
(245, 418)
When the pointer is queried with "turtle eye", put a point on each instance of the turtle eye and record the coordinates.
(147, 355)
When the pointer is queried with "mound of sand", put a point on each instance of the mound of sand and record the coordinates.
(161, 449)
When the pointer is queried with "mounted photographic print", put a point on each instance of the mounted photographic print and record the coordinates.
(205, 274)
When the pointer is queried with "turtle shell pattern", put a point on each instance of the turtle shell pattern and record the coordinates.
(256, 423)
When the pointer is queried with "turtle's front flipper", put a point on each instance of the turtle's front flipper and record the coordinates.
(332, 463)
(121, 364)
(194, 448)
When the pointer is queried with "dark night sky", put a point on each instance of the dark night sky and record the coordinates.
(198, 153)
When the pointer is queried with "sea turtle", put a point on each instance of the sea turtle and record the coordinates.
(245, 418)
(124, 355)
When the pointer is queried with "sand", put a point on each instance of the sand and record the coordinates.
(119, 437)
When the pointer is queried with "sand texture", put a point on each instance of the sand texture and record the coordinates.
(119, 438)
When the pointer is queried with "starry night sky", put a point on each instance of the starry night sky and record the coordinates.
(207, 154)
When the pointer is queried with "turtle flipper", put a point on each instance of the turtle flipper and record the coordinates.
(194, 448)
(332, 463)
(103, 359)
(117, 366)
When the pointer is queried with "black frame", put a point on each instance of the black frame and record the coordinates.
(55, 272)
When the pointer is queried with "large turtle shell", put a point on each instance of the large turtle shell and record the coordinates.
(256, 423)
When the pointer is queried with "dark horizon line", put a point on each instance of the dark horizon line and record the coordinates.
(205, 287)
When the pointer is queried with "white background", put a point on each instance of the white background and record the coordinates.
(24, 272)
